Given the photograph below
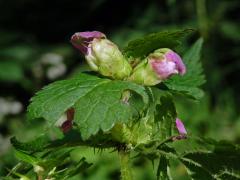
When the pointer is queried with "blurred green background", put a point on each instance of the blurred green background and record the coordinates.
(35, 51)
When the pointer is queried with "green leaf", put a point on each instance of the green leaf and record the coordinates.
(162, 171)
(212, 164)
(203, 158)
(221, 160)
(26, 157)
(164, 112)
(56, 98)
(70, 139)
(97, 102)
(54, 158)
(192, 144)
(35, 145)
(143, 46)
(195, 170)
(103, 107)
(189, 83)
(56, 163)
(75, 169)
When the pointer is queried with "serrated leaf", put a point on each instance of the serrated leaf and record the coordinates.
(167, 115)
(188, 84)
(165, 112)
(103, 107)
(51, 102)
(211, 164)
(97, 102)
(35, 145)
(221, 161)
(192, 144)
(228, 175)
(207, 159)
(196, 171)
(143, 46)
(70, 139)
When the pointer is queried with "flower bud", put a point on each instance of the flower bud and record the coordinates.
(83, 40)
(181, 130)
(180, 127)
(101, 54)
(158, 66)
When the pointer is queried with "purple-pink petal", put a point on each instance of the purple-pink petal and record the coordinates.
(168, 64)
(163, 68)
(81, 40)
(89, 35)
(180, 127)
(172, 56)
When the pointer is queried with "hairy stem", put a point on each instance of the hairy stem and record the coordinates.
(126, 173)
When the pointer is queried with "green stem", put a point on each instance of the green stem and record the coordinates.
(126, 173)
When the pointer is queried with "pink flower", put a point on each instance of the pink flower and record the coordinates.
(181, 130)
(167, 63)
(157, 67)
(180, 127)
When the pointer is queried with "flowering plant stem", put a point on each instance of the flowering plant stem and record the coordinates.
(126, 173)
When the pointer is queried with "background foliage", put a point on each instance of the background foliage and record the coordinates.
(35, 50)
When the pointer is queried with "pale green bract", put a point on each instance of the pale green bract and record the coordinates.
(97, 102)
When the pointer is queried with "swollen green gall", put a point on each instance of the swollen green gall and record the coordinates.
(132, 135)
(101, 54)
(158, 66)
